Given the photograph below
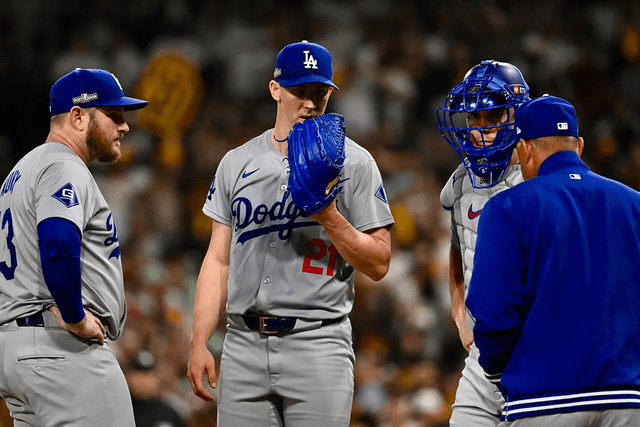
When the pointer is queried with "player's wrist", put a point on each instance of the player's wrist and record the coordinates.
(325, 212)
(197, 341)
(73, 318)
(461, 323)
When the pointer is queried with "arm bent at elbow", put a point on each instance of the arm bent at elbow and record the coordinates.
(368, 252)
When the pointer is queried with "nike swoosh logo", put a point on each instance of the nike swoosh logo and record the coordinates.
(472, 214)
(246, 174)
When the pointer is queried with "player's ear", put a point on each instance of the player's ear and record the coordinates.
(78, 118)
(275, 90)
(580, 146)
(527, 161)
(525, 152)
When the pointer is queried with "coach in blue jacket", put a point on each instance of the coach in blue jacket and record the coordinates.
(556, 283)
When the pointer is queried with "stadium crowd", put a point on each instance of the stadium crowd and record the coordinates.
(205, 66)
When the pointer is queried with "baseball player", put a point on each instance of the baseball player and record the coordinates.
(61, 284)
(286, 280)
(555, 288)
(475, 121)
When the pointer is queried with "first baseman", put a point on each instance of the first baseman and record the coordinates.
(61, 283)
(284, 279)
(477, 120)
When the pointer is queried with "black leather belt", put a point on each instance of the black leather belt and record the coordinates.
(272, 325)
(33, 320)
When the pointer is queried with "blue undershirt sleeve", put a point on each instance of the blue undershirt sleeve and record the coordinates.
(59, 243)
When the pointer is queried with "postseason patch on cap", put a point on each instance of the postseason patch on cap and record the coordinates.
(85, 98)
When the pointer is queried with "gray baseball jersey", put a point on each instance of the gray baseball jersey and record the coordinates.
(52, 181)
(281, 263)
(478, 402)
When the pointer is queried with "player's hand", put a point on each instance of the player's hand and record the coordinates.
(90, 327)
(201, 364)
(466, 334)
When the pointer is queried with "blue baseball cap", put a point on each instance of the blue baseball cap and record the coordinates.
(90, 88)
(546, 116)
(303, 62)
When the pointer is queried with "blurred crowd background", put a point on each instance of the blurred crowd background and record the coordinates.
(205, 66)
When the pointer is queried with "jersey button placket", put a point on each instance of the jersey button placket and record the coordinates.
(287, 170)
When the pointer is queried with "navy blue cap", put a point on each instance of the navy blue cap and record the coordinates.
(303, 62)
(90, 88)
(546, 116)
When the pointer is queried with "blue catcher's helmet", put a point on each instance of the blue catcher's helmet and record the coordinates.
(490, 85)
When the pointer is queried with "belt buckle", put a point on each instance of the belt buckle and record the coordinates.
(262, 325)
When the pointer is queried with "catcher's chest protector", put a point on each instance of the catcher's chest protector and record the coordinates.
(468, 203)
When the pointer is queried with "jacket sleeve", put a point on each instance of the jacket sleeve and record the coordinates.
(497, 295)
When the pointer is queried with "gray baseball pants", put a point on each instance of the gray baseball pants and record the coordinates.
(51, 377)
(478, 402)
(298, 379)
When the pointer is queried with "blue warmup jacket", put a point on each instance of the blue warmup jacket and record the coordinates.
(556, 292)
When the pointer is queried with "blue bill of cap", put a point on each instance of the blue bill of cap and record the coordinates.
(126, 102)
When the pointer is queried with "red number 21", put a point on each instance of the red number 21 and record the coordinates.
(318, 254)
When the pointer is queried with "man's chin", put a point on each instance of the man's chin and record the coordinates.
(111, 157)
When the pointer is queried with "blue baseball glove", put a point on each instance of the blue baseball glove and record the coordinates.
(316, 159)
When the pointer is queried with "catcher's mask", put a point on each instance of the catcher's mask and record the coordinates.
(490, 85)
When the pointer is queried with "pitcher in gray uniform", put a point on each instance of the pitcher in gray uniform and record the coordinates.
(286, 281)
(61, 284)
(477, 120)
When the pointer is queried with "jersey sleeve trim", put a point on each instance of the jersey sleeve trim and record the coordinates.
(213, 215)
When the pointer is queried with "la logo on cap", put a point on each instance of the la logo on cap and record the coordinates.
(309, 61)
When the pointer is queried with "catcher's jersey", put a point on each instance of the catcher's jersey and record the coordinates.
(282, 264)
(52, 181)
(466, 203)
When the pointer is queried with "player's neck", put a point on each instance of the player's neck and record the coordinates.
(282, 145)
(63, 138)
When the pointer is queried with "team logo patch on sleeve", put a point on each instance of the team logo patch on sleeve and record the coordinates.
(66, 195)
(212, 189)
(381, 194)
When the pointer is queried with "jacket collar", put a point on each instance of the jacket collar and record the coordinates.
(561, 160)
